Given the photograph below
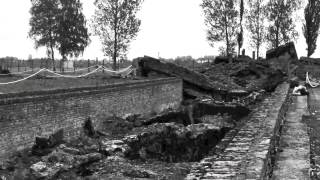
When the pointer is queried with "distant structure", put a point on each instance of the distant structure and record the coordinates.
(68, 65)
(243, 52)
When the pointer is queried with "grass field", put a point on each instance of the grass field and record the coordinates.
(39, 83)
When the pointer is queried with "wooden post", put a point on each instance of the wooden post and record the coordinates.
(74, 66)
(88, 65)
(18, 65)
(11, 64)
(103, 66)
(31, 61)
(253, 55)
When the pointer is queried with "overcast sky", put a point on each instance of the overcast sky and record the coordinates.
(169, 28)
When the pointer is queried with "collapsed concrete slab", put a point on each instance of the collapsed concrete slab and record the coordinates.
(288, 48)
(192, 79)
(283, 58)
(236, 111)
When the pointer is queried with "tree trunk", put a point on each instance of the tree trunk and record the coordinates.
(226, 26)
(259, 33)
(308, 43)
(227, 41)
(277, 36)
(115, 54)
(52, 57)
(228, 48)
(64, 59)
(258, 47)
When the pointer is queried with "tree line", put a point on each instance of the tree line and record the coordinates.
(269, 22)
(61, 25)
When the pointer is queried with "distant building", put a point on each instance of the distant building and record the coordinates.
(68, 65)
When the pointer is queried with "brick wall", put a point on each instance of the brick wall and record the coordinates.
(25, 116)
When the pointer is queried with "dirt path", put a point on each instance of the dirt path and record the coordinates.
(293, 160)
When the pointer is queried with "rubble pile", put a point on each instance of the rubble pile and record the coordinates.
(172, 142)
(250, 75)
(226, 79)
(162, 146)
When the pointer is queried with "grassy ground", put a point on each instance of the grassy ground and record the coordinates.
(39, 83)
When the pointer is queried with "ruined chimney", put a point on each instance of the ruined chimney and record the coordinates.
(243, 52)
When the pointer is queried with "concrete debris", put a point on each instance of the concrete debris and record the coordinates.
(114, 147)
(44, 145)
(172, 142)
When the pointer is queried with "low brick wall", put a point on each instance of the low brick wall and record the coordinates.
(249, 154)
(27, 115)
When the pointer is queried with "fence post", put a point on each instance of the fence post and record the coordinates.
(88, 65)
(11, 64)
(31, 61)
(18, 65)
(243, 52)
(103, 66)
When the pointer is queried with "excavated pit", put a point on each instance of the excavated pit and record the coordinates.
(183, 136)
(173, 142)
(161, 146)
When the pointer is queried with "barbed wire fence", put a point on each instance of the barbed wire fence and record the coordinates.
(17, 65)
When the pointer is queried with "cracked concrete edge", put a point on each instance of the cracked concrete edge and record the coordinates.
(261, 154)
(298, 167)
(254, 163)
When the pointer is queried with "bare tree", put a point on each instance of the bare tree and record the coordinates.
(311, 26)
(221, 20)
(256, 23)
(116, 24)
